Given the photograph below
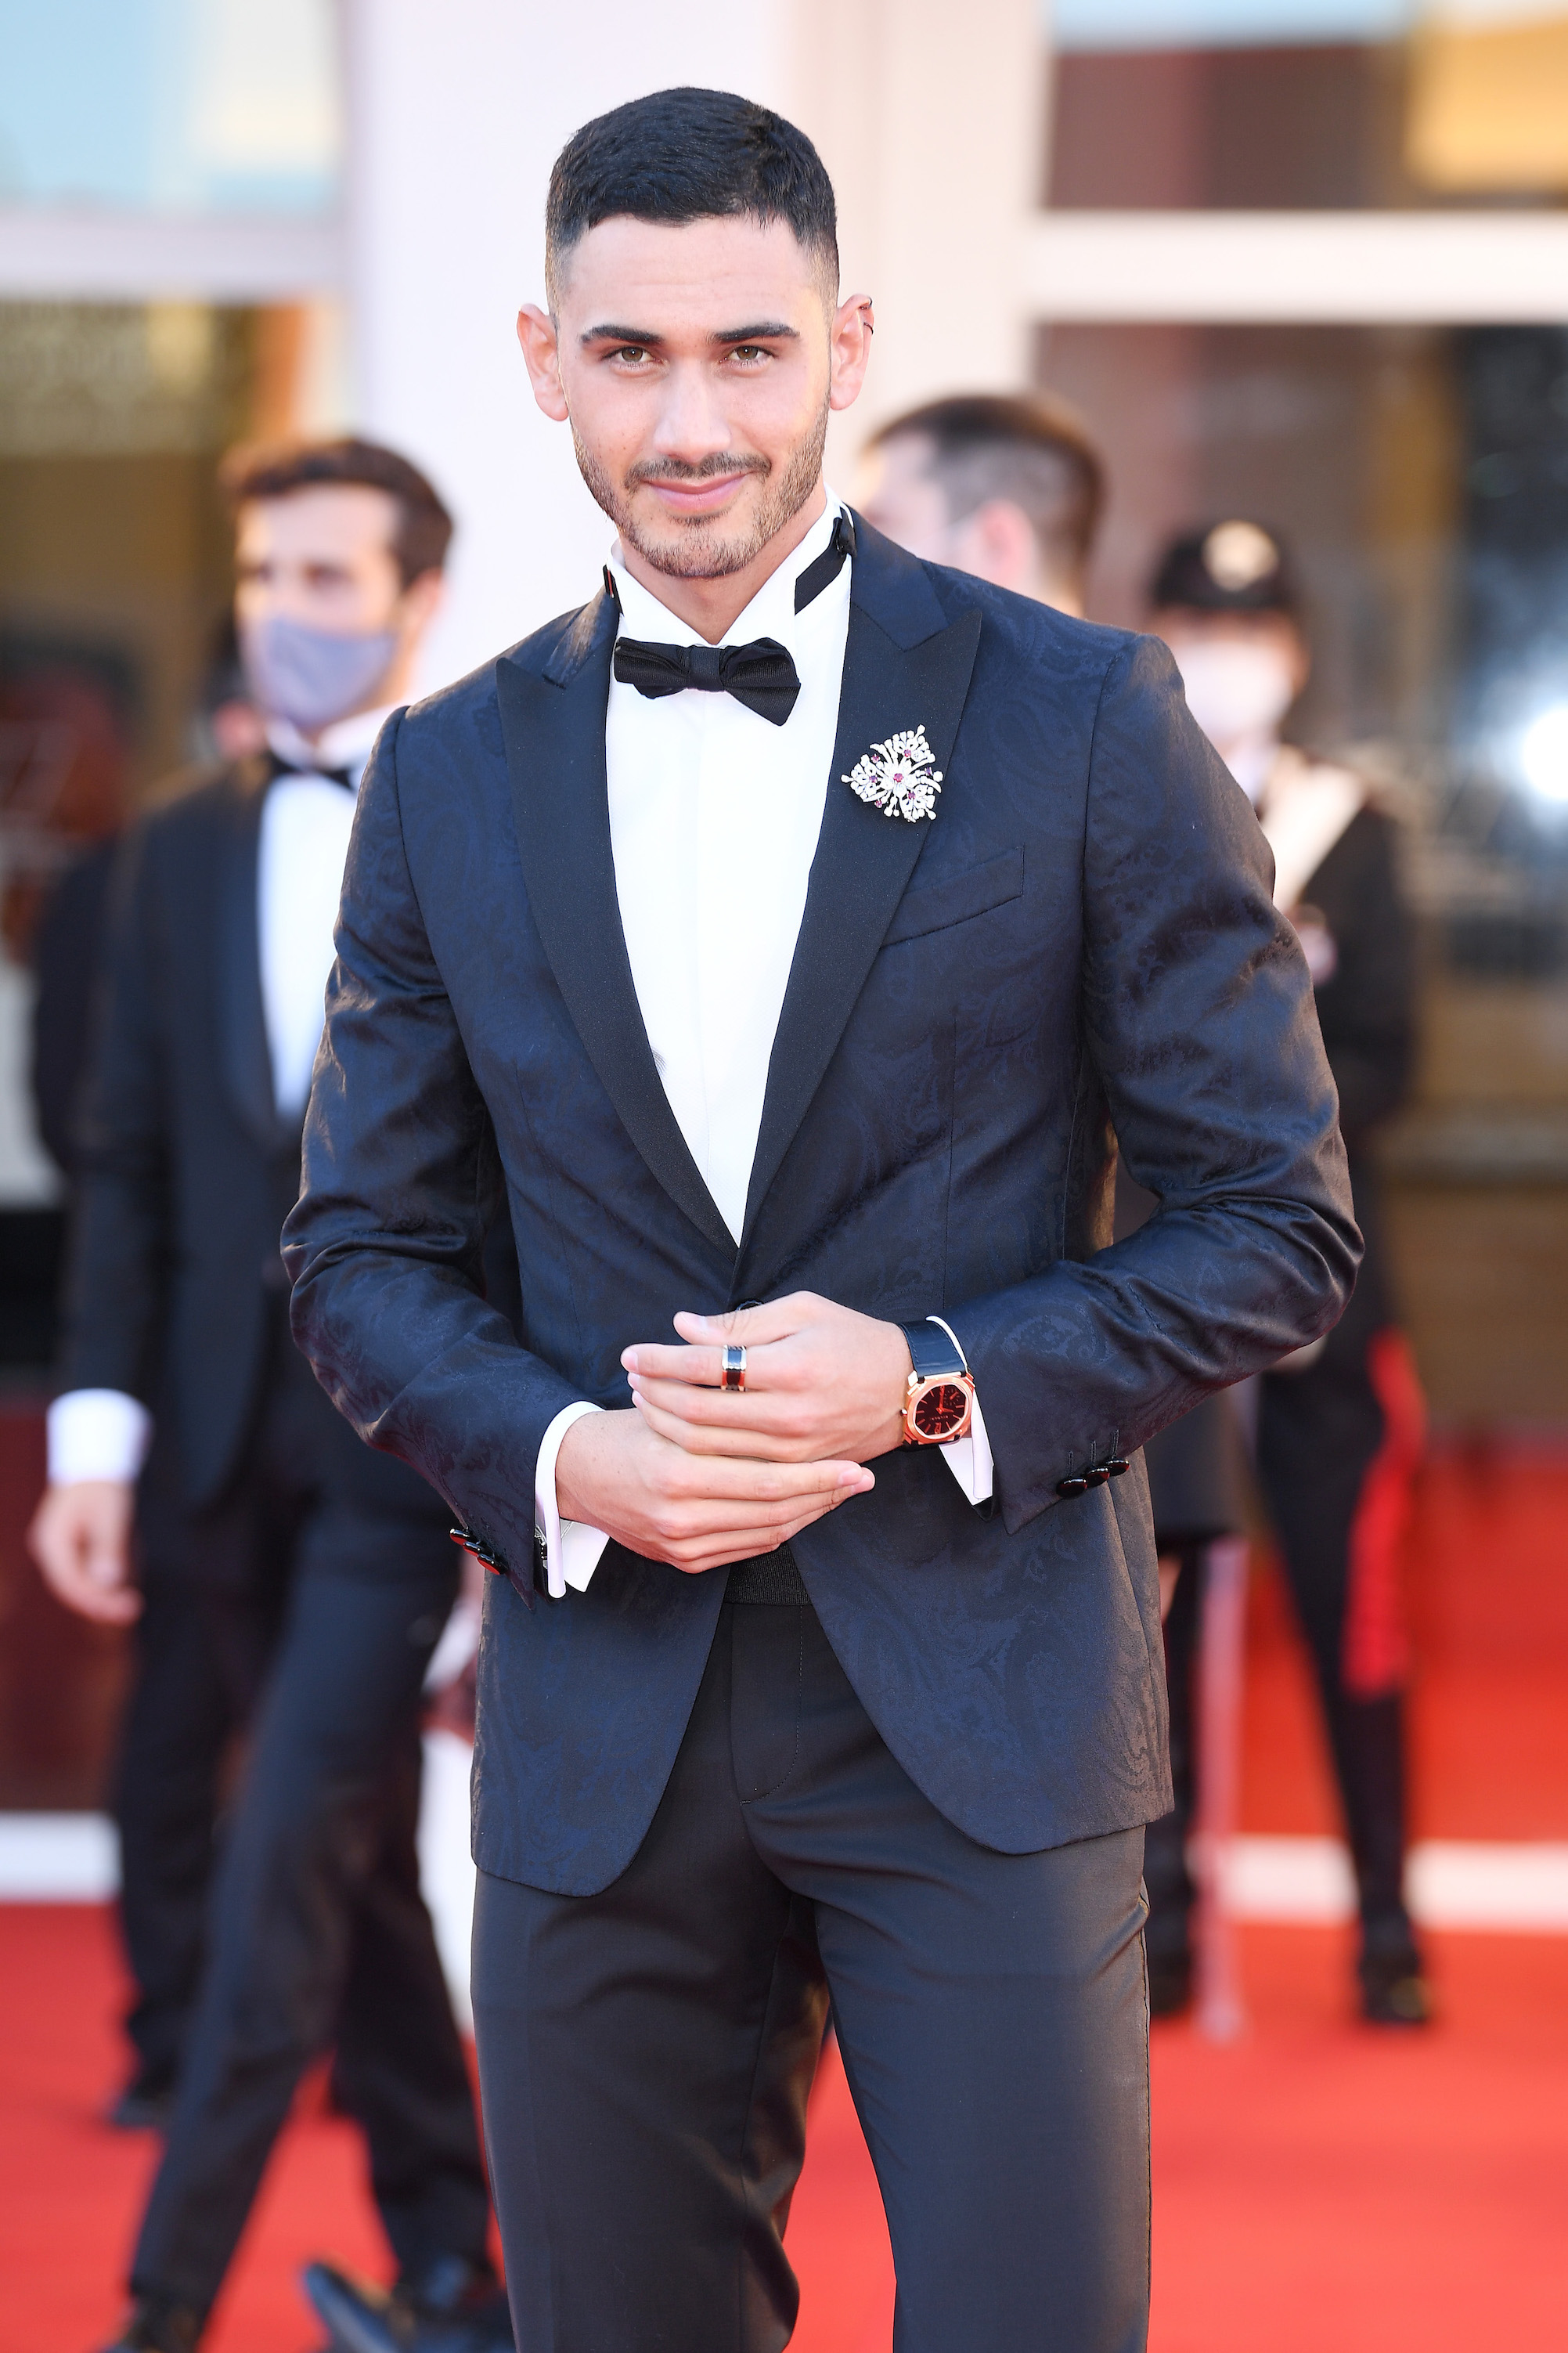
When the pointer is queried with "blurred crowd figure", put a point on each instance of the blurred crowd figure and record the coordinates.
(1008, 486)
(1012, 488)
(286, 1583)
(1338, 1428)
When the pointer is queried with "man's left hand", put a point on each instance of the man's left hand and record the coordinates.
(823, 1383)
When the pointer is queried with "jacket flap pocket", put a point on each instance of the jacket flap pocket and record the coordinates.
(974, 892)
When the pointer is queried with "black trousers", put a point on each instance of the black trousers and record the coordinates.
(646, 2054)
(1319, 1432)
(180, 1718)
(326, 1583)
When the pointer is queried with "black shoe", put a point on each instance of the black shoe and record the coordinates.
(155, 2325)
(1392, 1990)
(142, 2107)
(1170, 1983)
(453, 2307)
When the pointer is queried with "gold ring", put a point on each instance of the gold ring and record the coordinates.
(732, 1369)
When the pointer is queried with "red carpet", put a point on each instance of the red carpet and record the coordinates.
(1318, 2187)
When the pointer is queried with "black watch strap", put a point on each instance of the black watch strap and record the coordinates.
(934, 1355)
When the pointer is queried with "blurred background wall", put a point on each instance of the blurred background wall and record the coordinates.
(1306, 259)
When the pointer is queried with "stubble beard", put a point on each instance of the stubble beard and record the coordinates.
(706, 547)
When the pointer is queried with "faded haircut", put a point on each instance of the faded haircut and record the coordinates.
(684, 155)
(1029, 449)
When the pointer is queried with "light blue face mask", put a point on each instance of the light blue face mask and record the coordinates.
(311, 677)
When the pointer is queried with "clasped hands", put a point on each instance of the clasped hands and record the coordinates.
(697, 1476)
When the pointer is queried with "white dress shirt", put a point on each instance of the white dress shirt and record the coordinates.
(304, 839)
(714, 818)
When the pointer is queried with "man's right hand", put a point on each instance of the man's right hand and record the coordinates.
(81, 1538)
(694, 1511)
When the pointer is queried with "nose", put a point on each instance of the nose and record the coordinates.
(691, 425)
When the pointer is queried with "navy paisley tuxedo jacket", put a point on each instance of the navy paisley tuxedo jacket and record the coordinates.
(1081, 946)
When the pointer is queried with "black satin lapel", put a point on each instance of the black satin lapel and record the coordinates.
(246, 1056)
(863, 864)
(554, 735)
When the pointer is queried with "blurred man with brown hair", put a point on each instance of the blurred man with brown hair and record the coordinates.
(321, 1568)
(1006, 486)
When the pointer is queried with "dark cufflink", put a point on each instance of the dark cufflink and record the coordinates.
(494, 1561)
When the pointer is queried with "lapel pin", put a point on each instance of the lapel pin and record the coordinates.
(901, 776)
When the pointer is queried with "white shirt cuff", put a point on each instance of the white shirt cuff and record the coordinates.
(572, 1548)
(969, 1458)
(96, 1434)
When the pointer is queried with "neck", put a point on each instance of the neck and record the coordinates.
(711, 606)
(1251, 759)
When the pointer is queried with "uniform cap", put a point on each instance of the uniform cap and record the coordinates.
(1235, 567)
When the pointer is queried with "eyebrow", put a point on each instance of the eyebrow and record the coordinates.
(769, 331)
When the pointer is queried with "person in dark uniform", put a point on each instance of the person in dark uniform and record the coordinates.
(321, 1568)
(1340, 1425)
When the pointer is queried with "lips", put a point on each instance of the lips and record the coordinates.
(698, 498)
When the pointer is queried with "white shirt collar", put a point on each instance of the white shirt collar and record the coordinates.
(346, 743)
(770, 614)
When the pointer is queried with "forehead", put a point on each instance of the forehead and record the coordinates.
(339, 520)
(695, 277)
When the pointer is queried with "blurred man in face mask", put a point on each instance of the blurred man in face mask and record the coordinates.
(312, 1577)
(1339, 1429)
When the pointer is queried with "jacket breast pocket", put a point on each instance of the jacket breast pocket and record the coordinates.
(970, 939)
(959, 898)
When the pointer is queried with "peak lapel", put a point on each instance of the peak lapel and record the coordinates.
(864, 859)
(553, 727)
(247, 1056)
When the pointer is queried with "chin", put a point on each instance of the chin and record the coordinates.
(709, 547)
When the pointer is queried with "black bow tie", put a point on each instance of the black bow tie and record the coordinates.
(762, 675)
(279, 766)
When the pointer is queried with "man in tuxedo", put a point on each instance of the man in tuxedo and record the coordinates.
(779, 934)
(317, 1575)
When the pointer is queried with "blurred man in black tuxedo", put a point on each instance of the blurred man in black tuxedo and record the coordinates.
(1339, 1424)
(1010, 488)
(179, 1717)
(319, 1571)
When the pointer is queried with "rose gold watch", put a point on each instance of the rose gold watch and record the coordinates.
(939, 1399)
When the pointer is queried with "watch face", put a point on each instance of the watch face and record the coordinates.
(940, 1409)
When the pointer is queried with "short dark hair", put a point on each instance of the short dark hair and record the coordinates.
(424, 528)
(684, 155)
(1030, 448)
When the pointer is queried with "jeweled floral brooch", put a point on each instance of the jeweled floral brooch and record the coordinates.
(901, 776)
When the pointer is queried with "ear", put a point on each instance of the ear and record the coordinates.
(542, 356)
(997, 543)
(849, 349)
(420, 602)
